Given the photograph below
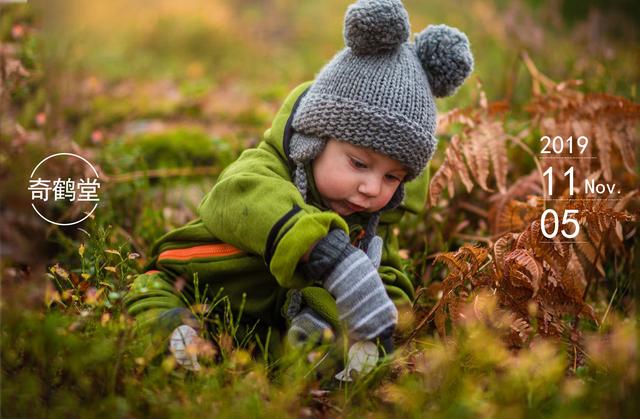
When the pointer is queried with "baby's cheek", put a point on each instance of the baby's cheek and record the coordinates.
(387, 196)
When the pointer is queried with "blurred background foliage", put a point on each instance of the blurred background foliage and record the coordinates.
(161, 95)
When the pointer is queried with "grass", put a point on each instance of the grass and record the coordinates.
(152, 94)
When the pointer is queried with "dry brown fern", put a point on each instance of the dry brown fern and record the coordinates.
(543, 282)
(601, 222)
(608, 122)
(514, 210)
(478, 151)
(538, 281)
(463, 265)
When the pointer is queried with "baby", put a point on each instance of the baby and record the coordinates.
(296, 237)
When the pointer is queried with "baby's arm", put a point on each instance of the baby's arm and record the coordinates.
(256, 207)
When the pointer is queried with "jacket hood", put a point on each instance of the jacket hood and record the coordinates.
(279, 135)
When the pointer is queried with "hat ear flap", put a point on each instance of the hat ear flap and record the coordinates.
(302, 149)
(445, 56)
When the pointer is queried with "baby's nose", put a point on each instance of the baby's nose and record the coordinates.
(370, 186)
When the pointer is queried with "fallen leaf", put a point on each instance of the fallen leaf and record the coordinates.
(59, 271)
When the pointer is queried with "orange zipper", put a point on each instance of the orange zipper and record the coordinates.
(151, 272)
(202, 251)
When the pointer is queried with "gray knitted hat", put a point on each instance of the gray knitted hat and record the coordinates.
(378, 91)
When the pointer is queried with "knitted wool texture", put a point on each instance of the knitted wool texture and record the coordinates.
(378, 91)
(307, 325)
(351, 276)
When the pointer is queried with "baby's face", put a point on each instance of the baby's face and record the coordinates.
(355, 179)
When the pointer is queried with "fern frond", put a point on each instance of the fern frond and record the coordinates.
(440, 319)
(476, 151)
(442, 178)
(500, 249)
(453, 260)
(477, 256)
(604, 142)
(525, 269)
(522, 188)
(456, 160)
(496, 142)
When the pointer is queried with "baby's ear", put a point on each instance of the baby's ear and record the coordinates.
(445, 56)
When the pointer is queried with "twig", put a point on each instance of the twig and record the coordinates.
(512, 79)
(536, 76)
(116, 368)
(426, 319)
(517, 141)
(474, 209)
(134, 242)
(595, 261)
(161, 173)
(472, 237)
(576, 321)
(606, 313)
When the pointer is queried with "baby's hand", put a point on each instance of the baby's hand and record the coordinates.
(374, 251)
(352, 278)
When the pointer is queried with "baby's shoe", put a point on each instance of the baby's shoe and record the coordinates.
(181, 338)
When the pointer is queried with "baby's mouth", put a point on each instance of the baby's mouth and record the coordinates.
(354, 207)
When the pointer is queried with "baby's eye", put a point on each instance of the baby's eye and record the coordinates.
(358, 164)
(392, 178)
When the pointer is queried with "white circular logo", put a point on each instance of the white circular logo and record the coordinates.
(49, 191)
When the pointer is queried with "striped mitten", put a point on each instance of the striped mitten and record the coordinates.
(307, 325)
(353, 280)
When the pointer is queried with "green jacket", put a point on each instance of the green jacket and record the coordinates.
(254, 227)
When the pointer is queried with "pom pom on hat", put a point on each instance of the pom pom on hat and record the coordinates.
(378, 92)
(445, 56)
(375, 26)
